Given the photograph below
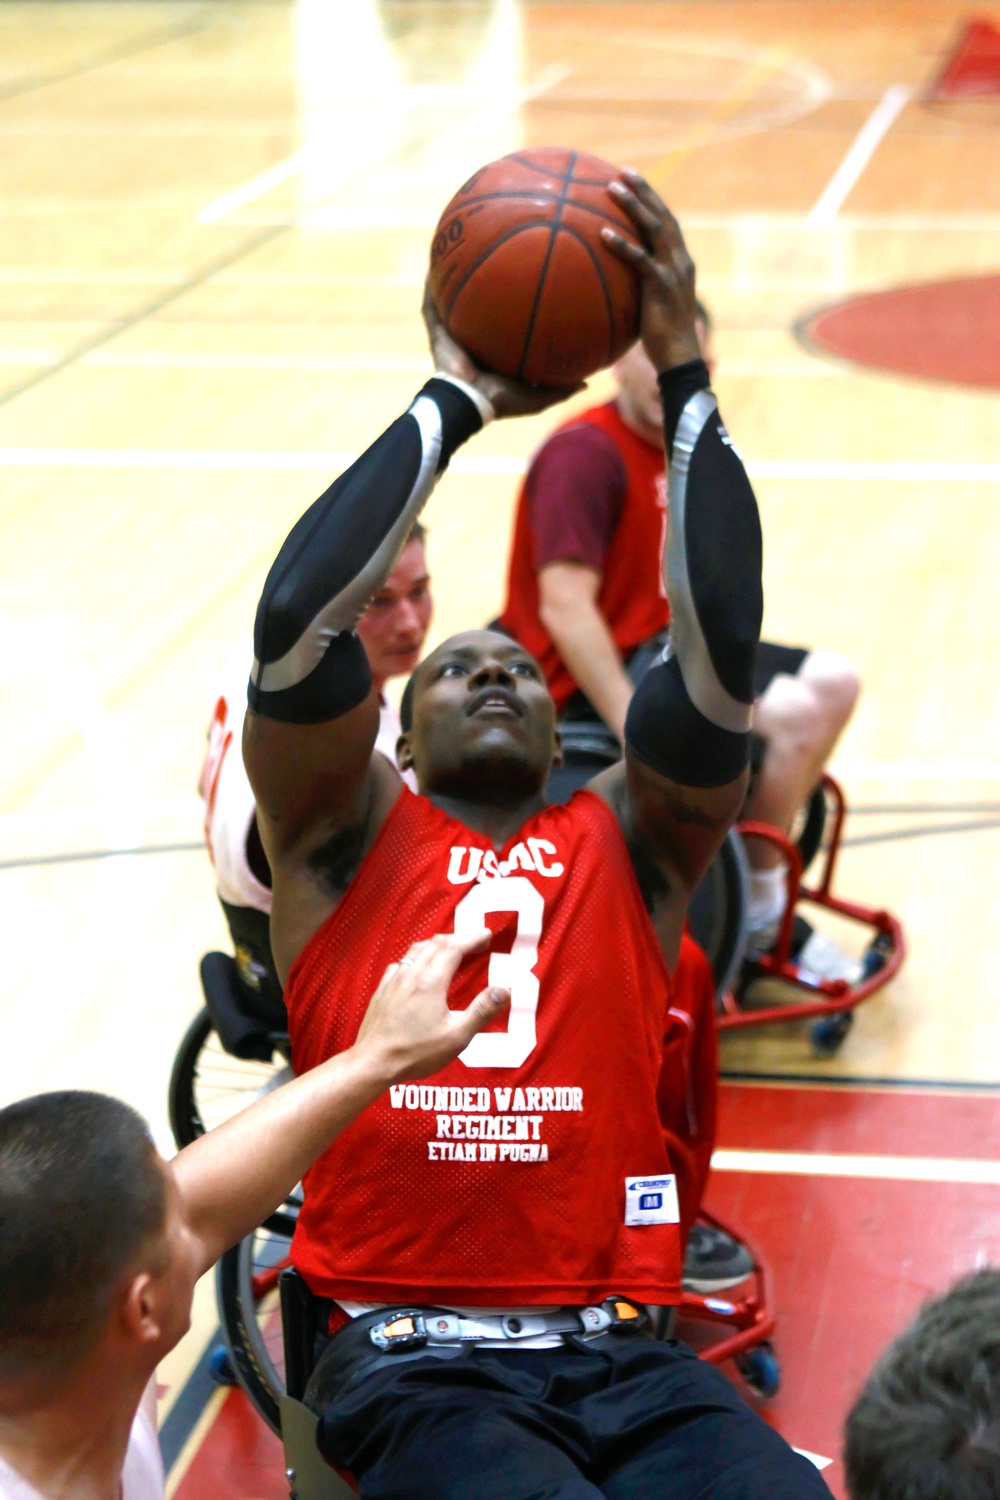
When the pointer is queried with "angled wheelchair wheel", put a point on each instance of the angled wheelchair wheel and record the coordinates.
(717, 915)
(208, 1084)
(246, 1289)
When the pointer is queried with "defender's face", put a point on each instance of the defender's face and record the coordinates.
(483, 719)
(639, 393)
(393, 627)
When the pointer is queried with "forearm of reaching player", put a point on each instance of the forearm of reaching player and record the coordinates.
(309, 665)
(569, 611)
(690, 718)
(230, 1179)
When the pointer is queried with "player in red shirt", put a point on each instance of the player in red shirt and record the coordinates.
(584, 590)
(488, 1240)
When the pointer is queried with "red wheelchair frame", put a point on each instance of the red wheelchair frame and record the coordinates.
(748, 1316)
(884, 955)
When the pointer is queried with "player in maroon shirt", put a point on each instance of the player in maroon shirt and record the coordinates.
(538, 1383)
(584, 591)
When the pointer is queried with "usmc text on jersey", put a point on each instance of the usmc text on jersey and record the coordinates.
(468, 1130)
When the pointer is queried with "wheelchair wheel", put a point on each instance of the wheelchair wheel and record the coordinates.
(208, 1084)
(809, 826)
(246, 1289)
(717, 915)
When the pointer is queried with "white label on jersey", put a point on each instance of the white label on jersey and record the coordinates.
(651, 1200)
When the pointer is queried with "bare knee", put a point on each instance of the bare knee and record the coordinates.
(790, 716)
(834, 684)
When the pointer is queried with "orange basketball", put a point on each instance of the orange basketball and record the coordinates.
(519, 272)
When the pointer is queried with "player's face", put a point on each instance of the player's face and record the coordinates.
(483, 721)
(393, 627)
(639, 395)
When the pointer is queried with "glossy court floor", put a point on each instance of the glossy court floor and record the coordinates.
(214, 222)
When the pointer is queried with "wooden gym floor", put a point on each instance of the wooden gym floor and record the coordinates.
(214, 222)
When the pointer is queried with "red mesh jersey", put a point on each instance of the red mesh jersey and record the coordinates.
(501, 1180)
(689, 1083)
(632, 597)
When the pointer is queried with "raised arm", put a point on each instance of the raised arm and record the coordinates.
(313, 713)
(688, 726)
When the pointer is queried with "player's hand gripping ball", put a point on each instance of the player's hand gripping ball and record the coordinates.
(519, 273)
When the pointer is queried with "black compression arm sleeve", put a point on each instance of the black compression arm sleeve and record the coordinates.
(309, 665)
(690, 716)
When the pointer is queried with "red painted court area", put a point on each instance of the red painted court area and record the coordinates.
(851, 1258)
(946, 330)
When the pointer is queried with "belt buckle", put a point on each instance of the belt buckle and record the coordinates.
(626, 1316)
(399, 1333)
(614, 1315)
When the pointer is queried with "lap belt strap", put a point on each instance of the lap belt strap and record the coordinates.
(406, 1329)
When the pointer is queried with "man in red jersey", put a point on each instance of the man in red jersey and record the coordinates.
(489, 1240)
(585, 590)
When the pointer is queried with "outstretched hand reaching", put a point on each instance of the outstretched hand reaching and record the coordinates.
(408, 1024)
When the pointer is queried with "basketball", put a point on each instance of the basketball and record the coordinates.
(520, 275)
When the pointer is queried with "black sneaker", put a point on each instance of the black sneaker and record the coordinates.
(713, 1260)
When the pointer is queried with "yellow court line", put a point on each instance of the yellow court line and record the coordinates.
(769, 61)
(195, 1439)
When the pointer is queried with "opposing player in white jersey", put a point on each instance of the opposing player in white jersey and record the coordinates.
(392, 630)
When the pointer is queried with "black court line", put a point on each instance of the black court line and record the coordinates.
(896, 835)
(845, 1080)
(190, 1403)
(85, 856)
(101, 59)
(148, 309)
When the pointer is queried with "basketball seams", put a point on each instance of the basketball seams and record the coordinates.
(609, 305)
(540, 285)
(480, 260)
(533, 166)
(516, 194)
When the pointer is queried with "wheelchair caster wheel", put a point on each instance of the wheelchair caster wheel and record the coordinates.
(219, 1366)
(761, 1370)
(876, 955)
(828, 1032)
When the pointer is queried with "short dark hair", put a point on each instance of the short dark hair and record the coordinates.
(927, 1424)
(406, 705)
(418, 533)
(81, 1195)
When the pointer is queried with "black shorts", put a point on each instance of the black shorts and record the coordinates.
(772, 659)
(634, 1418)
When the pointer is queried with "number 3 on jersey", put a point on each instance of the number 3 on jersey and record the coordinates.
(513, 971)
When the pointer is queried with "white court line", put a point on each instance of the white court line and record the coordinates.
(277, 461)
(917, 770)
(881, 1168)
(249, 192)
(257, 187)
(859, 154)
(815, 1458)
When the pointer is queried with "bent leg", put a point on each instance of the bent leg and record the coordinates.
(672, 1426)
(801, 718)
(455, 1430)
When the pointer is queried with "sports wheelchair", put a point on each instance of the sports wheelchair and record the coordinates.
(271, 1325)
(275, 1331)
